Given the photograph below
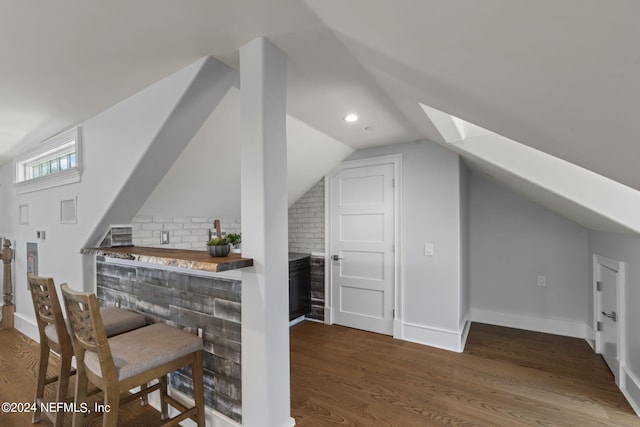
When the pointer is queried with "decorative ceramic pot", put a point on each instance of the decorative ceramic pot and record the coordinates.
(219, 250)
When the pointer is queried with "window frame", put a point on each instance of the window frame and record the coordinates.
(53, 148)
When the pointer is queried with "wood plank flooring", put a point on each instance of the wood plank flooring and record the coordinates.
(19, 357)
(342, 376)
(505, 377)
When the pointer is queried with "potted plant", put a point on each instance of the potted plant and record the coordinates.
(219, 246)
(235, 239)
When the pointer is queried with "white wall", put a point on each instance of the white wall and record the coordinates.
(512, 241)
(204, 181)
(113, 144)
(205, 178)
(625, 248)
(465, 305)
(430, 213)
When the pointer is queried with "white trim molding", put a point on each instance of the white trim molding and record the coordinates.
(59, 143)
(27, 326)
(436, 337)
(590, 337)
(618, 267)
(565, 327)
(630, 386)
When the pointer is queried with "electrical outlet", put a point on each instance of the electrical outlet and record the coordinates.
(164, 237)
(542, 280)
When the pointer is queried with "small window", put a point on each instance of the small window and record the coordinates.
(55, 162)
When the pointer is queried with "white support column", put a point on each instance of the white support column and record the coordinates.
(265, 286)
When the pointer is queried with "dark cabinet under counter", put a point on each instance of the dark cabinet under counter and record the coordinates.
(299, 285)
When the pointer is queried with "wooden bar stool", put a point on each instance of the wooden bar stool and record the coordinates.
(118, 364)
(54, 336)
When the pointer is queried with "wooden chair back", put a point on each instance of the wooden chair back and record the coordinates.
(48, 311)
(87, 330)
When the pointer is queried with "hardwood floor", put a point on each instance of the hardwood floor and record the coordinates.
(505, 377)
(18, 367)
(342, 376)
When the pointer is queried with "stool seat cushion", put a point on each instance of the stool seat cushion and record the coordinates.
(116, 321)
(144, 349)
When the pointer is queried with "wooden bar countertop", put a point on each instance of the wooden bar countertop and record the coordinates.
(184, 258)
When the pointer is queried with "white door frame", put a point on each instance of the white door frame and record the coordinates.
(619, 267)
(396, 161)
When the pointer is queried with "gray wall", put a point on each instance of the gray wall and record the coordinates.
(625, 248)
(513, 240)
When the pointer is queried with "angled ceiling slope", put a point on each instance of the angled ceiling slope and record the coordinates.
(587, 198)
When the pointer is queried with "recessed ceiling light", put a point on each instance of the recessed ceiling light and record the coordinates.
(351, 118)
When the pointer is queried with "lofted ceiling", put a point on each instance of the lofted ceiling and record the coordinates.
(561, 77)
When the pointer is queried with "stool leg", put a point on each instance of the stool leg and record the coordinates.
(164, 409)
(144, 400)
(198, 387)
(81, 396)
(62, 389)
(112, 399)
(42, 378)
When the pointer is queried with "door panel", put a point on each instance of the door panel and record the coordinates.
(365, 302)
(362, 236)
(363, 228)
(366, 266)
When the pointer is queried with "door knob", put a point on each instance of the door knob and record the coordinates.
(613, 315)
(336, 258)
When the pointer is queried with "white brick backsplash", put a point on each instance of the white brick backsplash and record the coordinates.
(141, 218)
(162, 219)
(184, 232)
(183, 246)
(173, 226)
(182, 219)
(191, 226)
(306, 221)
(152, 226)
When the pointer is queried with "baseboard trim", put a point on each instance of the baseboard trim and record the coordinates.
(434, 337)
(297, 320)
(568, 328)
(397, 329)
(591, 337)
(327, 315)
(630, 386)
(465, 334)
(27, 326)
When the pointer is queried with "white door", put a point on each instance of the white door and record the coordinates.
(608, 317)
(362, 245)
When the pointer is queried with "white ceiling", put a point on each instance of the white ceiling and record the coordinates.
(561, 77)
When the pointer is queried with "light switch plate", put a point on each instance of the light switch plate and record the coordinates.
(428, 249)
(164, 237)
